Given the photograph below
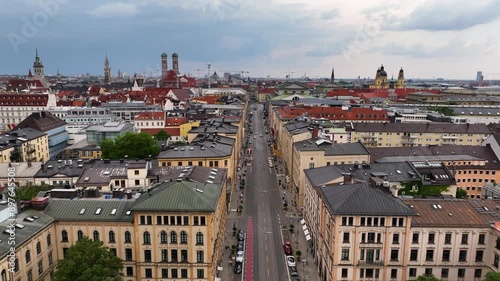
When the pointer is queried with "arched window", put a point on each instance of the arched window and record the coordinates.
(173, 237)
(111, 236)
(4, 275)
(147, 238)
(80, 235)
(49, 240)
(199, 238)
(64, 236)
(38, 248)
(96, 235)
(128, 237)
(184, 237)
(28, 256)
(163, 237)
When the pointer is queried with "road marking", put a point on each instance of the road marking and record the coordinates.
(268, 271)
(266, 247)
(267, 258)
(264, 220)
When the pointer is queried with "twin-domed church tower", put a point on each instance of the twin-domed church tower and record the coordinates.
(164, 64)
(382, 83)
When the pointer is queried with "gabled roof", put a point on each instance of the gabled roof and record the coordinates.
(423, 128)
(42, 121)
(182, 196)
(362, 199)
(330, 149)
(71, 210)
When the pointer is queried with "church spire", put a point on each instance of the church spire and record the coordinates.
(332, 77)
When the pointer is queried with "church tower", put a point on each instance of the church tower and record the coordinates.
(332, 77)
(107, 71)
(164, 65)
(38, 67)
(400, 84)
(175, 63)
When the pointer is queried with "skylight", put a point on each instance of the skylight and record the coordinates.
(98, 211)
(128, 213)
(113, 212)
(82, 211)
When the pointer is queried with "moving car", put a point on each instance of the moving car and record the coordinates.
(239, 256)
(293, 271)
(287, 248)
(238, 267)
(290, 260)
(255, 136)
(260, 135)
(240, 246)
(241, 235)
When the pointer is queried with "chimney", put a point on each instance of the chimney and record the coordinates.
(315, 133)
(347, 178)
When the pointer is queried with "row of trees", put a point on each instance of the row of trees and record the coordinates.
(133, 145)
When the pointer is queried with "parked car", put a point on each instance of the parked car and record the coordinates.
(287, 247)
(239, 256)
(290, 260)
(241, 235)
(240, 246)
(293, 271)
(238, 267)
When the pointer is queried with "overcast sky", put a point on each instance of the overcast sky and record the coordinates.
(429, 39)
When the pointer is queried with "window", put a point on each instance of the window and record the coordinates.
(462, 256)
(128, 237)
(478, 273)
(147, 238)
(413, 272)
(184, 238)
(445, 272)
(200, 258)
(431, 238)
(184, 273)
(394, 255)
(38, 248)
(147, 255)
(446, 255)
(415, 238)
(345, 272)
(128, 254)
(96, 235)
(149, 220)
(203, 220)
(173, 237)
(461, 272)
(311, 165)
(149, 273)
(136, 172)
(481, 239)
(164, 273)
(179, 220)
(50, 258)
(28, 256)
(346, 237)
(345, 255)
(199, 238)
(16, 265)
(163, 237)
(111, 236)
(413, 254)
(428, 271)
(65, 251)
(30, 275)
(185, 220)
(395, 238)
(184, 255)
(137, 182)
(173, 254)
(49, 240)
(200, 163)
(447, 238)
(479, 255)
(113, 251)
(429, 255)
(174, 273)
(130, 271)
(4, 275)
(164, 255)
(394, 273)
(465, 238)
(200, 273)
(64, 236)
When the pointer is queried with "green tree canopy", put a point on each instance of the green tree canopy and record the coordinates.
(29, 192)
(461, 193)
(428, 278)
(447, 111)
(162, 135)
(88, 260)
(133, 145)
(492, 276)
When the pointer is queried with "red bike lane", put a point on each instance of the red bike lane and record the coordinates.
(249, 259)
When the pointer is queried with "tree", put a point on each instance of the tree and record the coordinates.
(298, 254)
(447, 111)
(162, 135)
(29, 192)
(461, 193)
(492, 276)
(88, 260)
(428, 278)
(133, 145)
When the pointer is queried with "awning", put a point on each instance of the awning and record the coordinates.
(302, 221)
(219, 268)
(306, 232)
(308, 237)
(304, 227)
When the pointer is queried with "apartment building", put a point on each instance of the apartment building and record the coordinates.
(310, 154)
(128, 110)
(291, 133)
(24, 145)
(15, 107)
(471, 166)
(24, 173)
(414, 134)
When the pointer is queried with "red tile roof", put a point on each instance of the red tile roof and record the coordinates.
(209, 99)
(150, 116)
(171, 131)
(175, 120)
(16, 99)
(267, 91)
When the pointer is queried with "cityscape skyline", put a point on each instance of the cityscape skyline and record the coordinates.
(274, 39)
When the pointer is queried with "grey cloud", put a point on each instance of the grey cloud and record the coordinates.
(328, 15)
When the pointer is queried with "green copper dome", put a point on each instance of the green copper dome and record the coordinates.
(164, 55)
(175, 55)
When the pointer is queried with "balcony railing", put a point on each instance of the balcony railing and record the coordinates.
(370, 263)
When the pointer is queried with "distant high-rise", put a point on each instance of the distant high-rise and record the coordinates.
(38, 67)
(478, 75)
(107, 70)
(175, 63)
(164, 65)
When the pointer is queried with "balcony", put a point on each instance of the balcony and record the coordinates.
(371, 244)
(409, 136)
(370, 263)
